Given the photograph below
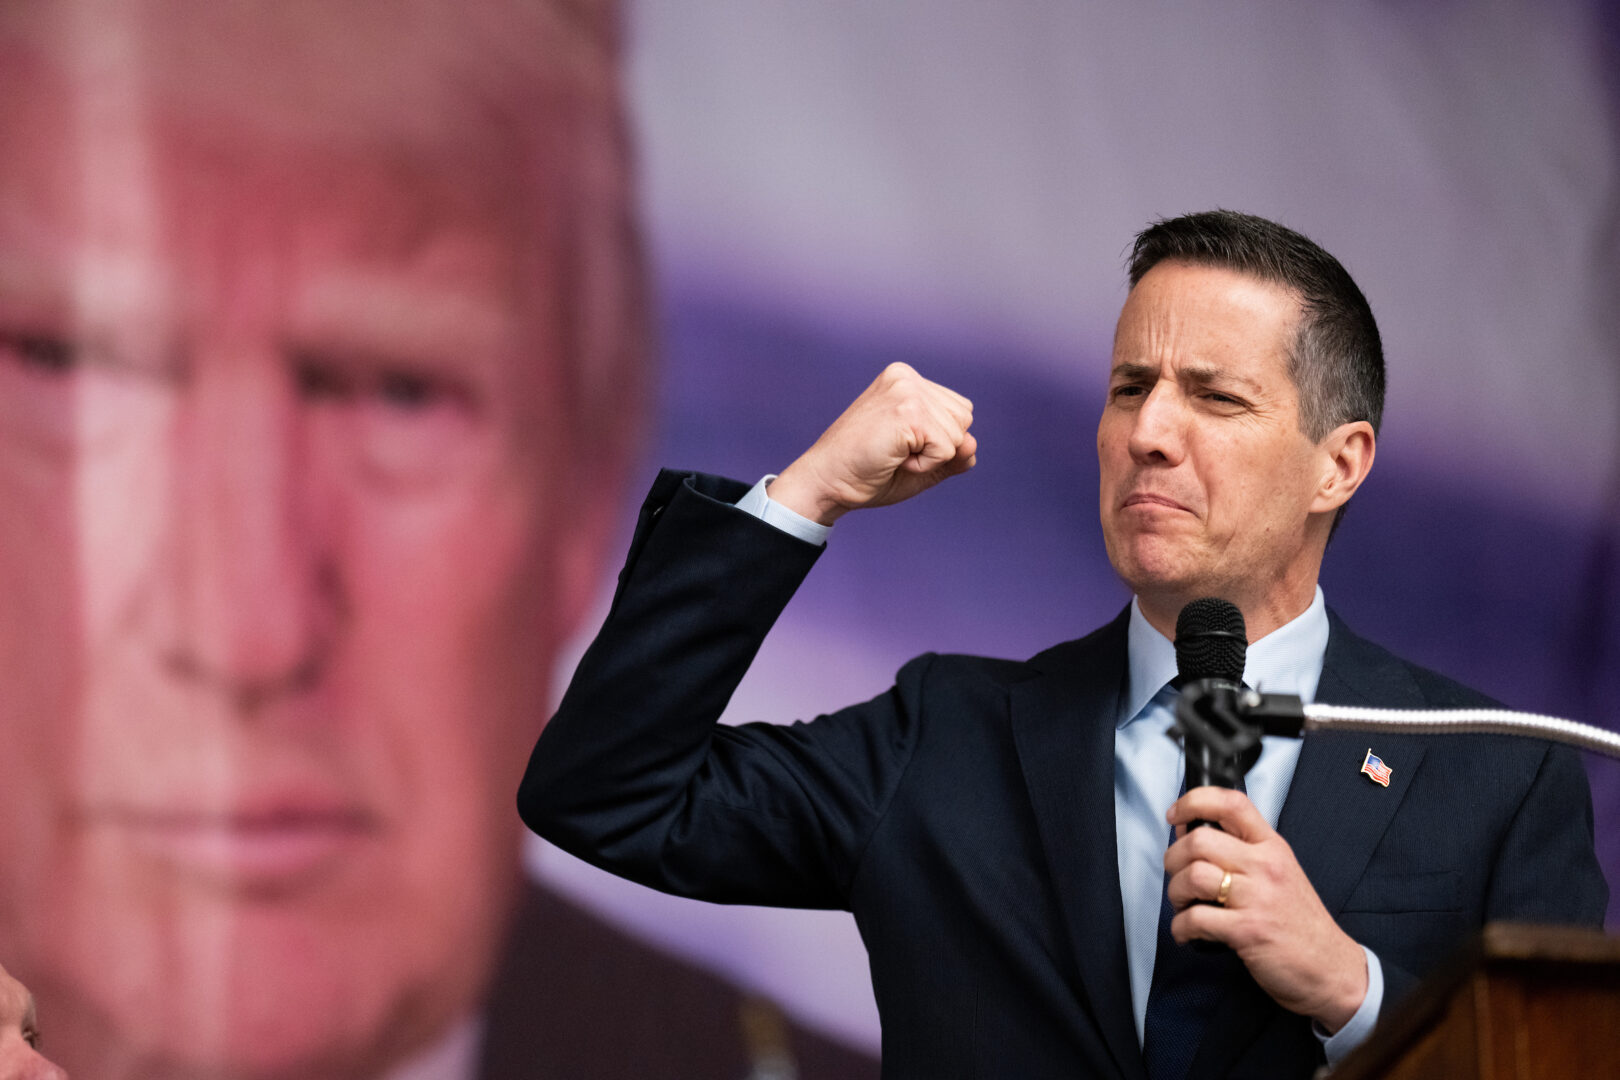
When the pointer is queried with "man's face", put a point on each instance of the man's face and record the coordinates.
(1207, 479)
(20, 1058)
(279, 435)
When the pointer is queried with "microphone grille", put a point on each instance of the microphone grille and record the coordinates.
(1210, 641)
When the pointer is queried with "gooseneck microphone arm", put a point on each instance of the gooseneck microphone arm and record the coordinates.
(1220, 722)
(1284, 714)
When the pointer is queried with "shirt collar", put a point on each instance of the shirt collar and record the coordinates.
(1286, 661)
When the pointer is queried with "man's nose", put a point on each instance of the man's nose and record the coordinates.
(1157, 430)
(23, 1062)
(254, 596)
(38, 1068)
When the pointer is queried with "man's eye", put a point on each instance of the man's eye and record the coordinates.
(39, 352)
(400, 390)
(1128, 391)
(409, 390)
(402, 423)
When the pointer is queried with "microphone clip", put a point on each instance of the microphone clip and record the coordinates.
(1220, 724)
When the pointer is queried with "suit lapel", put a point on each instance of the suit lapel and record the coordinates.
(1333, 817)
(1063, 726)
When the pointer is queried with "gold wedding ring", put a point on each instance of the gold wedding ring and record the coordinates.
(1226, 889)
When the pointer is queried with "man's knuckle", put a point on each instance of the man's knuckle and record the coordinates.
(900, 377)
(908, 413)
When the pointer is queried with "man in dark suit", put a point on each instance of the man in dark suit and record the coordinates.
(998, 827)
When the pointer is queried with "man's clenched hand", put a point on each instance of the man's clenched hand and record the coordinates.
(902, 435)
(1272, 917)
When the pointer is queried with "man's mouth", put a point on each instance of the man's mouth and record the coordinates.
(268, 846)
(1148, 501)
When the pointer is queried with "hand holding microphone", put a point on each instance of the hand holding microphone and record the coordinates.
(1239, 883)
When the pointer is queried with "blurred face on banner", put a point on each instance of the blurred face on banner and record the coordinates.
(311, 321)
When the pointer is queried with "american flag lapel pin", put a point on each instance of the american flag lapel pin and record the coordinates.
(1375, 768)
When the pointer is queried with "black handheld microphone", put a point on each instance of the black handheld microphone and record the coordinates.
(1211, 642)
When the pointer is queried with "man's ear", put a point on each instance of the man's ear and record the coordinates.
(1347, 457)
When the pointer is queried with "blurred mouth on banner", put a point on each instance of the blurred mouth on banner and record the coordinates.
(280, 843)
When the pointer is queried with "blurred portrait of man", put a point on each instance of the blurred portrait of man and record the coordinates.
(321, 356)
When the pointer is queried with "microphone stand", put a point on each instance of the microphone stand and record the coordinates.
(1221, 725)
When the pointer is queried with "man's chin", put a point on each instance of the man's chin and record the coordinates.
(247, 992)
(248, 1036)
(1164, 578)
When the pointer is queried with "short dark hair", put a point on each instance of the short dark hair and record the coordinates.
(1336, 359)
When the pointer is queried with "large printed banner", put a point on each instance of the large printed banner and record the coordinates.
(339, 338)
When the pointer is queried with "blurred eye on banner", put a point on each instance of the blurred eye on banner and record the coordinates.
(60, 396)
(399, 423)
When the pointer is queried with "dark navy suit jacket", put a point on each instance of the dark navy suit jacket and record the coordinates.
(966, 817)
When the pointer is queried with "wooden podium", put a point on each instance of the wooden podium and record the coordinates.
(1522, 1003)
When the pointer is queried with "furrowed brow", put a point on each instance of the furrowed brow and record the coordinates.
(1133, 372)
(1215, 377)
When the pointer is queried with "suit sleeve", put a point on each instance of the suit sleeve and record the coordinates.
(633, 774)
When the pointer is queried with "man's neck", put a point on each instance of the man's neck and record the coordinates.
(1260, 615)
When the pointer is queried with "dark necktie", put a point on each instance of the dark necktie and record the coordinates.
(1188, 983)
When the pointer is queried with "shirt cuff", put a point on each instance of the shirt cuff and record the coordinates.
(771, 512)
(1354, 1033)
